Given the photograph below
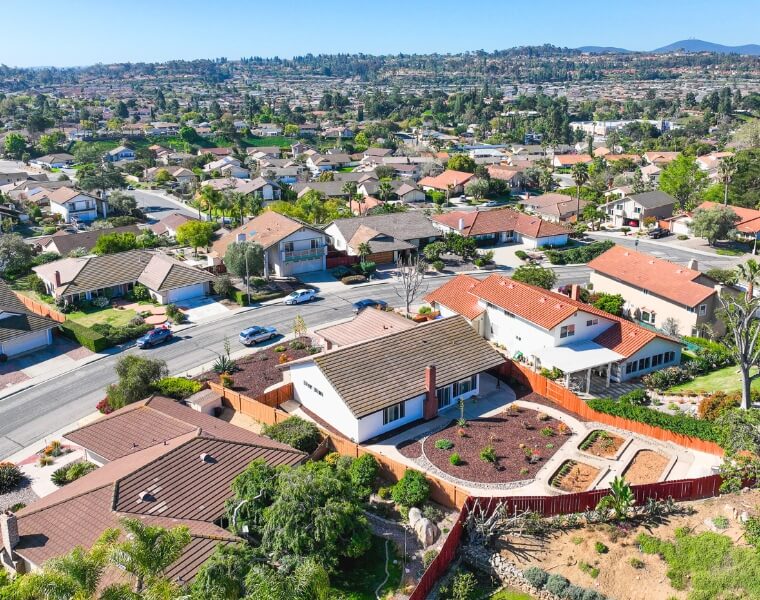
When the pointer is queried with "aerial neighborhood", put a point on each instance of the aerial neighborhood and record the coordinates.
(480, 325)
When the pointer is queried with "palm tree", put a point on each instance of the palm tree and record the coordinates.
(726, 171)
(211, 197)
(349, 188)
(750, 274)
(580, 177)
(385, 189)
(364, 251)
(449, 190)
(545, 180)
(148, 550)
(239, 201)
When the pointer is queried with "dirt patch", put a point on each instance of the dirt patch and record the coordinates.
(617, 578)
(522, 441)
(574, 476)
(523, 393)
(601, 443)
(259, 371)
(646, 467)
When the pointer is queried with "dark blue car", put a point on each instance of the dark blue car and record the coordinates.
(369, 303)
(154, 337)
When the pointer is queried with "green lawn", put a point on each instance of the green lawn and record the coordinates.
(277, 140)
(511, 595)
(91, 315)
(724, 380)
(359, 578)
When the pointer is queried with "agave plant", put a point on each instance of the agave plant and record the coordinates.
(619, 501)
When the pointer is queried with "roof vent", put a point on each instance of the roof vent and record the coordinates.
(626, 253)
(207, 458)
(542, 300)
(145, 497)
(651, 262)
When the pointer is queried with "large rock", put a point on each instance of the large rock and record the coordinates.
(415, 514)
(427, 532)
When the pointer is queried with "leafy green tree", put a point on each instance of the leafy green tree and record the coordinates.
(96, 177)
(739, 431)
(196, 234)
(15, 145)
(15, 255)
(308, 581)
(713, 224)
(433, 251)
(111, 243)
(611, 303)
(223, 575)
(86, 153)
(235, 259)
(163, 177)
(683, 180)
(461, 162)
(148, 550)
(120, 204)
(477, 189)
(51, 142)
(413, 489)
(136, 378)
(535, 275)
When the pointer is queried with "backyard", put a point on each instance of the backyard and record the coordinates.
(725, 380)
(358, 579)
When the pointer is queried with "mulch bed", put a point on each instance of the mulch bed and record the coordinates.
(522, 393)
(508, 435)
(646, 467)
(578, 478)
(259, 371)
(603, 443)
(410, 448)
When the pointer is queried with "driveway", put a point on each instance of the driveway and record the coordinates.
(158, 205)
(203, 309)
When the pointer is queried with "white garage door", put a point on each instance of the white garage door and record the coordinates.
(25, 343)
(305, 266)
(185, 293)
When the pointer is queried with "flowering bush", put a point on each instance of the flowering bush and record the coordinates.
(666, 378)
(101, 302)
(104, 407)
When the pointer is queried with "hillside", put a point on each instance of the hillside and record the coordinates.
(702, 46)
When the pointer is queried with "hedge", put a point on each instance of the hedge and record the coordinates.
(678, 423)
(581, 254)
(88, 338)
(178, 388)
(241, 297)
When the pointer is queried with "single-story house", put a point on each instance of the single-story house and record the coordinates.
(449, 180)
(550, 330)
(328, 189)
(54, 161)
(402, 190)
(513, 176)
(21, 330)
(62, 242)
(112, 275)
(557, 208)
(660, 158)
(318, 163)
(389, 236)
(180, 174)
(74, 204)
(170, 223)
(431, 366)
(120, 153)
(568, 160)
(502, 225)
(290, 246)
(216, 152)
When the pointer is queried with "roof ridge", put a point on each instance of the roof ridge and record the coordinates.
(35, 511)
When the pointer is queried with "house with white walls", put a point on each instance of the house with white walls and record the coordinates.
(431, 366)
(550, 330)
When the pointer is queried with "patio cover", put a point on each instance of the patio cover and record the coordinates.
(578, 356)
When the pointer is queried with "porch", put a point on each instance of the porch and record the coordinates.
(579, 361)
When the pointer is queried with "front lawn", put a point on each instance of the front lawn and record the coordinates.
(358, 579)
(725, 380)
(89, 316)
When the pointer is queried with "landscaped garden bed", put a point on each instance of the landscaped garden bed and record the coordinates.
(573, 476)
(601, 443)
(646, 467)
(511, 446)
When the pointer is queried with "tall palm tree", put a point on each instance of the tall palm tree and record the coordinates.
(580, 177)
(148, 550)
(349, 188)
(385, 190)
(749, 273)
(240, 201)
(364, 251)
(211, 197)
(726, 171)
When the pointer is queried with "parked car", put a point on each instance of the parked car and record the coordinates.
(154, 337)
(300, 296)
(369, 303)
(256, 334)
(658, 232)
(492, 203)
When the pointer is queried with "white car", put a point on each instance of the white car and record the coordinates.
(300, 296)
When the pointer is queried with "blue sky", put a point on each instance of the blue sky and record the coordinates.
(80, 32)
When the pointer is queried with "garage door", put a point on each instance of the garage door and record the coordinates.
(304, 266)
(185, 293)
(381, 258)
(25, 343)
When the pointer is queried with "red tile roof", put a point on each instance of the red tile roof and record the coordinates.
(750, 218)
(482, 222)
(448, 177)
(455, 295)
(661, 277)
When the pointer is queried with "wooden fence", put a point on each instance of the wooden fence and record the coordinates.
(262, 408)
(568, 400)
(41, 309)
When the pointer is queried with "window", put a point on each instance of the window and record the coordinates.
(465, 386)
(393, 413)
(630, 367)
(591, 322)
(656, 360)
(567, 331)
(312, 388)
(648, 317)
(637, 210)
(690, 309)
(444, 396)
(703, 309)
(314, 243)
(287, 246)
(670, 356)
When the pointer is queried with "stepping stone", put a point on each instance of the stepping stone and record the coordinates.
(158, 310)
(156, 319)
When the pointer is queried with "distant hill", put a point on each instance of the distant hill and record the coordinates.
(604, 50)
(702, 46)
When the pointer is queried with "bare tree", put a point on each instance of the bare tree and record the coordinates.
(671, 326)
(739, 315)
(411, 284)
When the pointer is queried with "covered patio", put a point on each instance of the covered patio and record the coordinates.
(585, 357)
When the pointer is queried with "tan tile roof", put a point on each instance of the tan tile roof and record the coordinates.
(482, 222)
(268, 229)
(572, 159)
(171, 221)
(749, 217)
(378, 373)
(367, 325)
(448, 177)
(163, 273)
(23, 320)
(64, 194)
(661, 277)
(455, 295)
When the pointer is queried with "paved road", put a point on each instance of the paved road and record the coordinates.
(156, 206)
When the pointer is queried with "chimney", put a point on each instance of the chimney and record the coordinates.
(461, 224)
(430, 406)
(575, 292)
(57, 279)
(693, 264)
(9, 531)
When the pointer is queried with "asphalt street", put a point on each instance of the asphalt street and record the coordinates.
(156, 206)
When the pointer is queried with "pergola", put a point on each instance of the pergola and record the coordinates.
(577, 358)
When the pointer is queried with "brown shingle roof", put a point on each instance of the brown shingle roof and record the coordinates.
(455, 295)
(448, 177)
(64, 244)
(483, 222)
(268, 229)
(64, 194)
(163, 273)
(378, 373)
(661, 277)
(367, 325)
(22, 320)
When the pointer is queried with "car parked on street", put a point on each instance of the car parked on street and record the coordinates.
(255, 334)
(154, 337)
(300, 296)
(369, 303)
(658, 232)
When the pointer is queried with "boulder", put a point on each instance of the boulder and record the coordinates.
(744, 517)
(427, 532)
(415, 514)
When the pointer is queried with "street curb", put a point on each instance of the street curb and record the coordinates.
(663, 244)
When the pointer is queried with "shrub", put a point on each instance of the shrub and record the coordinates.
(363, 472)
(280, 348)
(438, 265)
(366, 268)
(720, 522)
(636, 397)
(104, 407)
(178, 388)
(464, 585)
(72, 472)
(444, 444)
(86, 336)
(429, 557)
(100, 302)
(138, 320)
(581, 254)
(424, 310)
(521, 254)
(353, 279)
(666, 378)
(547, 432)
(340, 272)
(715, 405)
(412, 489)
(682, 237)
(119, 335)
(223, 364)
(297, 345)
(45, 460)
(175, 314)
(575, 592)
(488, 454)
(455, 459)
(636, 563)
(556, 584)
(679, 423)
(222, 286)
(601, 548)
(536, 577)
(384, 492)
(296, 432)
(752, 532)
(10, 477)
(140, 292)
(432, 513)
(239, 297)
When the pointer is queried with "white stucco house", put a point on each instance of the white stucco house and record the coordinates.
(74, 204)
(21, 330)
(432, 366)
(551, 330)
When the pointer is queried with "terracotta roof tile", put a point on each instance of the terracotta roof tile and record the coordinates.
(482, 222)
(455, 295)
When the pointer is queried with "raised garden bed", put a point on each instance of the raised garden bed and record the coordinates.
(511, 446)
(573, 476)
(601, 443)
(646, 467)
